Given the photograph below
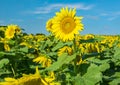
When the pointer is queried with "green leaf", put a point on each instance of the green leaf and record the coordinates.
(117, 75)
(79, 80)
(92, 77)
(24, 49)
(114, 79)
(49, 43)
(3, 62)
(42, 45)
(97, 61)
(52, 54)
(68, 59)
(83, 68)
(1, 54)
(115, 82)
(4, 71)
(11, 42)
(63, 59)
(69, 43)
(104, 67)
(59, 45)
(10, 54)
(117, 53)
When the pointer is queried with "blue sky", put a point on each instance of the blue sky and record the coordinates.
(100, 16)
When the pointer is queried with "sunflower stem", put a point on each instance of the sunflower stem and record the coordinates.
(13, 71)
(75, 60)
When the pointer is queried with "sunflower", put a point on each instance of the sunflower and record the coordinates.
(89, 36)
(17, 30)
(49, 25)
(10, 31)
(65, 25)
(6, 47)
(43, 60)
(65, 49)
(32, 79)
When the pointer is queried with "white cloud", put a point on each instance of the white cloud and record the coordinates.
(112, 18)
(117, 13)
(104, 14)
(111, 15)
(50, 8)
(81, 6)
(94, 17)
(114, 15)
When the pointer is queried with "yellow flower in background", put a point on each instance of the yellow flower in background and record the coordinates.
(89, 36)
(81, 47)
(66, 49)
(49, 25)
(9, 81)
(2, 29)
(39, 37)
(17, 30)
(118, 45)
(93, 47)
(6, 43)
(26, 44)
(31, 79)
(66, 24)
(3, 40)
(10, 31)
(43, 60)
(6, 47)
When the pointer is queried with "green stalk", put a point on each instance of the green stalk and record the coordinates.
(75, 60)
(13, 71)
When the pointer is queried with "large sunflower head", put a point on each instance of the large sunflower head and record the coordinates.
(65, 25)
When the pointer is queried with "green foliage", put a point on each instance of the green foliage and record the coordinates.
(95, 68)
(116, 79)
(3, 62)
(59, 45)
(63, 59)
(24, 49)
(91, 77)
(1, 54)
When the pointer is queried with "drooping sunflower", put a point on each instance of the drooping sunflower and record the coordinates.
(66, 24)
(6, 47)
(10, 31)
(65, 49)
(89, 36)
(42, 59)
(31, 79)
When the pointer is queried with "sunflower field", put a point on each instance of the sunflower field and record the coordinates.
(64, 57)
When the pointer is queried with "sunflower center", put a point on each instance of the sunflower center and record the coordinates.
(67, 25)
